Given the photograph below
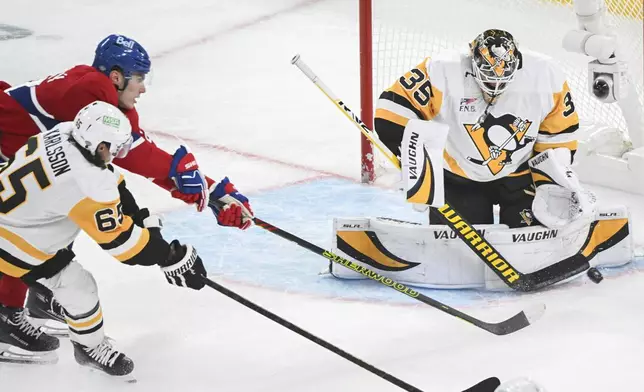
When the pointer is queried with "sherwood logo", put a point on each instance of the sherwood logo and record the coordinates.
(370, 274)
(413, 145)
(538, 236)
(479, 245)
(451, 234)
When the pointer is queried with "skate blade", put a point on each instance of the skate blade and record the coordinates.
(14, 355)
(128, 378)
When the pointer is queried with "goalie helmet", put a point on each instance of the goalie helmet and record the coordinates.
(495, 60)
(99, 122)
(122, 53)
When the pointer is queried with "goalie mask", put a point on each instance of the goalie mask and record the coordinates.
(495, 61)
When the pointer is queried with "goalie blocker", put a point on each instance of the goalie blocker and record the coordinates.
(432, 256)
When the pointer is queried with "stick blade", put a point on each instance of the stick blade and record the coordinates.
(487, 385)
(519, 321)
(534, 312)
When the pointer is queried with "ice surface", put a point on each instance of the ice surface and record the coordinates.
(223, 83)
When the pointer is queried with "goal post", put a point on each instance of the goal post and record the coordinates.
(366, 88)
(395, 35)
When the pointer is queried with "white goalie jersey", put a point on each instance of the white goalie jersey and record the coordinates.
(485, 142)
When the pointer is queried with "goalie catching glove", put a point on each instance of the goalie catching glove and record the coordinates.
(184, 266)
(559, 197)
(232, 208)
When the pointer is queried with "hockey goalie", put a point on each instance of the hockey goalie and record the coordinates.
(490, 126)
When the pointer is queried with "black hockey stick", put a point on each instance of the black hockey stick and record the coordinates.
(485, 251)
(486, 385)
(287, 324)
(554, 273)
(513, 324)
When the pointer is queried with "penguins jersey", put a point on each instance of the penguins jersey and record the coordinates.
(49, 192)
(534, 113)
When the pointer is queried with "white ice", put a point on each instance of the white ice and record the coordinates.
(224, 84)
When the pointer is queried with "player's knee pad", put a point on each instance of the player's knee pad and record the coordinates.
(74, 287)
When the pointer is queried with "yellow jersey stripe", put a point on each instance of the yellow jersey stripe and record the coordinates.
(11, 270)
(23, 245)
(85, 213)
(84, 324)
(541, 146)
(563, 118)
(519, 174)
(453, 165)
(391, 116)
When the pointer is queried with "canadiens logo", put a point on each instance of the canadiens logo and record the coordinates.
(497, 139)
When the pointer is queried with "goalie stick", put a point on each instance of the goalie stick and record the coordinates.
(487, 385)
(287, 324)
(516, 280)
(513, 324)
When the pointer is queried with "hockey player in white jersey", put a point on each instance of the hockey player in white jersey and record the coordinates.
(484, 127)
(501, 107)
(61, 182)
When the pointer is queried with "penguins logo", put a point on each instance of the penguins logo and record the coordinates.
(497, 139)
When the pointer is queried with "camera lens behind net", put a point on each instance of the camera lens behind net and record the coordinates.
(601, 88)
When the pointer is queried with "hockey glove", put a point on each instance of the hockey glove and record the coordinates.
(184, 266)
(185, 173)
(559, 197)
(236, 209)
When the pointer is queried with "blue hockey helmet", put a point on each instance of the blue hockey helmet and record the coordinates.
(119, 51)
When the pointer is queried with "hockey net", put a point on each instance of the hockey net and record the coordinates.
(406, 31)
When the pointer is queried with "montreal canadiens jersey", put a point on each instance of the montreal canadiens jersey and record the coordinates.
(536, 112)
(38, 106)
(49, 192)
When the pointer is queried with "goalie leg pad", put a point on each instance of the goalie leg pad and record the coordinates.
(606, 241)
(428, 256)
(433, 256)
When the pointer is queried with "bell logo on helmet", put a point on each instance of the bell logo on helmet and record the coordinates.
(111, 121)
(120, 40)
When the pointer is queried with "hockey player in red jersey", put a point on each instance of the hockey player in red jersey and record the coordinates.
(117, 76)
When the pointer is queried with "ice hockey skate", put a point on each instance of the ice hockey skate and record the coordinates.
(105, 358)
(46, 312)
(22, 342)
